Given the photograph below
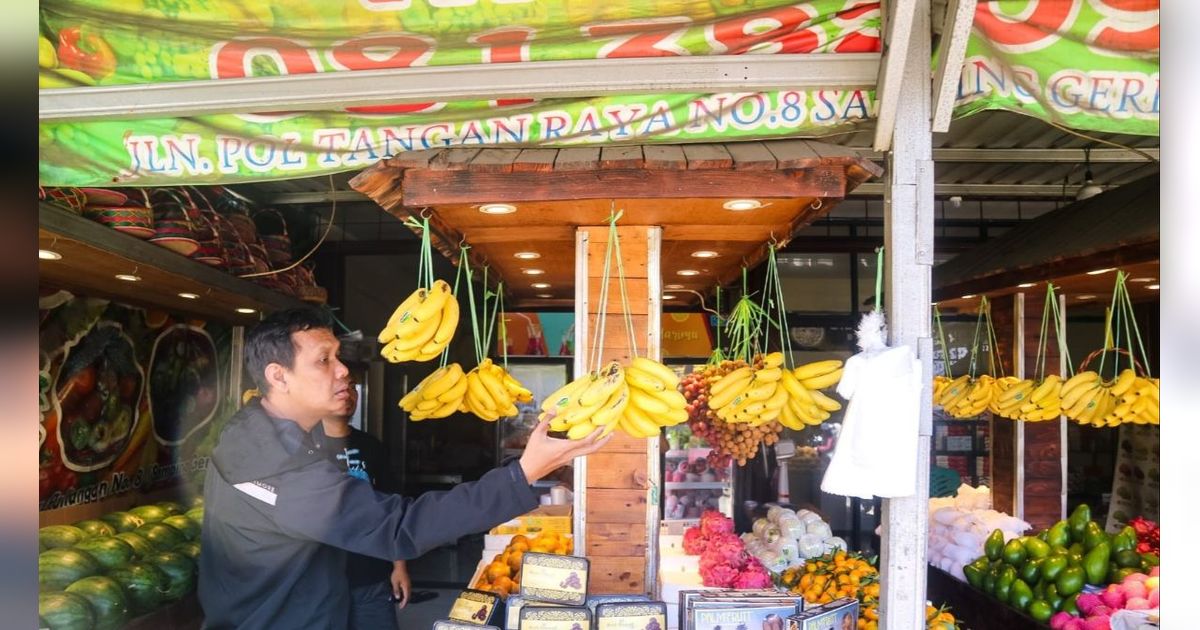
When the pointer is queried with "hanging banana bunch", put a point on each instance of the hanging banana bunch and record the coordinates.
(967, 396)
(421, 327)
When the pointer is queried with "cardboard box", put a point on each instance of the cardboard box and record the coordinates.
(840, 614)
(729, 608)
(512, 611)
(631, 616)
(450, 624)
(472, 606)
(555, 518)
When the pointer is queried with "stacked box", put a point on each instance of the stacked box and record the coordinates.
(535, 617)
(472, 606)
(712, 609)
(631, 616)
(450, 624)
(552, 579)
(840, 614)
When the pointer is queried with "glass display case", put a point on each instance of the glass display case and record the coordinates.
(690, 484)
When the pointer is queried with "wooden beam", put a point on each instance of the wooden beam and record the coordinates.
(535, 161)
(431, 188)
(751, 156)
(621, 157)
(956, 30)
(900, 18)
(493, 160)
(664, 157)
(706, 155)
(577, 159)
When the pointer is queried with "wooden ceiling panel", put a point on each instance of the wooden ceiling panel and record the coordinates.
(1081, 289)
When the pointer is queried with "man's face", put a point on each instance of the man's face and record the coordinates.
(317, 381)
(351, 400)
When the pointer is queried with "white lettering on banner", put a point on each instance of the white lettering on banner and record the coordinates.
(985, 76)
(168, 155)
(1039, 24)
(1116, 94)
(1129, 28)
(837, 106)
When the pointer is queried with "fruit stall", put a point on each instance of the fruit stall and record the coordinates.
(589, 159)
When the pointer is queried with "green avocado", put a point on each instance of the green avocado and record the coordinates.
(1052, 566)
(1020, 595)
(1014, 552)
(1040, 610)
(1031, 571)
(1095, 563)
(994, 545)
(1070, 581)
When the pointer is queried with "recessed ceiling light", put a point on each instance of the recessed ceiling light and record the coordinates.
(1142, 280)
(1152, 287)
(705, 253)
(688, 272)
(968, 296)
(527, 255)
(245, 311)
(1097, 272)
(540, 285)
(188, 296)
(533, 272)
(1025, 285)
(128, 277)
(497, 208)
(673, 286)
(545, 295)
(668, 296)
(741, 205)
(48, 254)
(1087, 297)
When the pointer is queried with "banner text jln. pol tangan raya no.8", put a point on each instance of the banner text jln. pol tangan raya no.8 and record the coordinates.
(1072, 61)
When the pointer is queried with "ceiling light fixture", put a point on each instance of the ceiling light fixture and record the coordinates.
(540, 285)
(128, 277)
(688, 272)
(673, 286)
(1025, 285)
(1087, 297)
(741, 205)
(668, 296)
(48, 254)
(545, 295)
(1142, 280)
(968, 296)
(245, 311)
(533, 272)
(497, 208)
(705, 253)
(1089, 188)
(1152, 287)
(1099, 271)
(188, 296)
(527, 255)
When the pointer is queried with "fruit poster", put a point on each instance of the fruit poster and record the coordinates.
(1087, 64)
(1135, 490)
(129, 399)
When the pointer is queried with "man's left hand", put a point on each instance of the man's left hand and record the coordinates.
(401, 584)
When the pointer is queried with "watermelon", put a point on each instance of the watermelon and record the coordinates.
(53, 536)
(163, 537)
(144, 586)
(180, 570)
(94, 528)
(189, 528)
(123, 521)
(196, 514)
(65, 611)
(111, 552)
(190, 549)
(141, 546)
(150, 513)
(59, 567)
(107, 600)
(171, 507)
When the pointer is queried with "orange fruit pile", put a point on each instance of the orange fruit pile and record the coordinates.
(502, 575)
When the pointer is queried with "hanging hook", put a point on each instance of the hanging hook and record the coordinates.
(462, 242)
(426, 212)
(773, 242)
(817, 204)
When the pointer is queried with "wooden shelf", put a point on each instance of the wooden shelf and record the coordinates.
(696, 485)
(93, 254)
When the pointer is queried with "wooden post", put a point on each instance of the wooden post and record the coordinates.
(1019, 343)
(908, 239)
(617, 510)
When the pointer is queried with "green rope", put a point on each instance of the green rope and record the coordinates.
(453, 296)
(503, 324)
(937, 317)
(465, 262)
(994, 344)
(784, 336)
(628, 317)
(718, 354)
(597, 351)
(975, 341)
(1133, 320)
(1058, 333)
(878, 275)
(1039, 365)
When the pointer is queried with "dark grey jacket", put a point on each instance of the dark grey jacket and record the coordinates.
(279, 518)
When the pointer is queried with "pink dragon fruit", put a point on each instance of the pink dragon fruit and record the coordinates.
(753, 575)
(720, 575)
(693, 542)
(713, 522)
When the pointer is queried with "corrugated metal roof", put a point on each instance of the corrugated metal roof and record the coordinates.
(1116, 219)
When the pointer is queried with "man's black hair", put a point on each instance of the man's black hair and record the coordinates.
(270, 341)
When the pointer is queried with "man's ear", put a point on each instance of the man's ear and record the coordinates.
(276, 377)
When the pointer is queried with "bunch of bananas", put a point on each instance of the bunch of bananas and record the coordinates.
(654, 399)
(639, 399)
(421, 326)
(488, 391)
(596, 399)
(964, 397)
(1129, 398)
(772, 392)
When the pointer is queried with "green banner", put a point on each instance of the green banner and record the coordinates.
(1083, 64)
(1089, 69)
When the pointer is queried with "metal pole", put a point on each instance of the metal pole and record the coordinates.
(653, 351)
(1019, 372)
(1062, 420)
(581, 367)
(908, 234)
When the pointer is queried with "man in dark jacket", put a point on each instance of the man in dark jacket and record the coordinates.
(279, 516)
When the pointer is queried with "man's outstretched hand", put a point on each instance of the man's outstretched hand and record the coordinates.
(544, 454)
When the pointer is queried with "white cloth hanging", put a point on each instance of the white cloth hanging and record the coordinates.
(876, 454)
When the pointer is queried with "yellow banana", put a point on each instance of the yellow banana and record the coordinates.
(643, 381)
(672, 398)
(823, 381)
(435, 299)
(675, 417)
(613, 407)
(641, 424)
(735, 379)
(1124, 381)
(580, 431)
(816, 368)
(447, 379)
(825, 402)
(1069, 399)
(448, 322)
(777, 400)
(1079, 380)
(478, 391)
(456, 391)
(649, 404)
(665, 375)
(610, 378)
(768, 375)
(761, 390)
(400, 314)
(495, 387)
(772, 360)
(727, 396)
(558, 425)
(789, 419)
